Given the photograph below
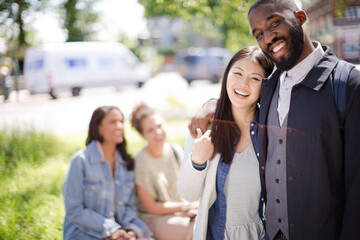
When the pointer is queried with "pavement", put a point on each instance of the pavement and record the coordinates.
(169, 93)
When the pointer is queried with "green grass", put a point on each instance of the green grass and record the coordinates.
(28, 146)
(31, 201)
(34, 167)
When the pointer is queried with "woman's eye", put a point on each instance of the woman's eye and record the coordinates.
(256, 79)
(238, 73)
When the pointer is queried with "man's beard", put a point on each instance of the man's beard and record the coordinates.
(294, 44)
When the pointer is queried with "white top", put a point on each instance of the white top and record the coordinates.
(242, 191)
(288, 79)
(158, 176)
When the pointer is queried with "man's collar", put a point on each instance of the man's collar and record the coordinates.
(300, 70)
(317, 75)
(320, 72)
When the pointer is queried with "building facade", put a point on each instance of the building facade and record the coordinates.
(340, 30)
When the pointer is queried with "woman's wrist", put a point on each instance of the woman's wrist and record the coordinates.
(185, 206)
(196, 162)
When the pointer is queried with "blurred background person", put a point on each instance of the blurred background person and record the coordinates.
(156, 171)
(99, 189)
(5, 87)
(223, 167)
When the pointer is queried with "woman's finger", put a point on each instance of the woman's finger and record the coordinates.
(198, 133)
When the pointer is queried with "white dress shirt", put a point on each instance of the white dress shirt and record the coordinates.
(288, 79)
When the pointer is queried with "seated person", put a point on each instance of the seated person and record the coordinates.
(156, 171)
(99, 189)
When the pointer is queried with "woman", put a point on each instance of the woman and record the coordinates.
(223, 167)
(99, 189)
(156, 172)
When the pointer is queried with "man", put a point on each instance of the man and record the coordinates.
(309, 167)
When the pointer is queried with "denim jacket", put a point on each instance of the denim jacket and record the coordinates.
(89, 194)
(217, 212)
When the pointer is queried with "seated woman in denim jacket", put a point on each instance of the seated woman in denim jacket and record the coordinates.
(99, 188)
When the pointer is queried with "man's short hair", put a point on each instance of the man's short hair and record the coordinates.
(287, 4)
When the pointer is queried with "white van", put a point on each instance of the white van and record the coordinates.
(71, 66)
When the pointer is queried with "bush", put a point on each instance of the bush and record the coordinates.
(26, 147)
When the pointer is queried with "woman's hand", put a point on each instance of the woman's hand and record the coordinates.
(121, 234)
(194, 205)
(192, 213)
(131, 235)
(193, 210)
(203, 148)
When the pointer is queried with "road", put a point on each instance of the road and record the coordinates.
(167, 92)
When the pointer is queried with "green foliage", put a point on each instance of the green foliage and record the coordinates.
(167, 51)
(341, 6)
(229, 17)
(28, 147)
(16, 11)
(174, 102)
(79, 19)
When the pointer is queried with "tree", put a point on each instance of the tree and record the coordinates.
(230, 17)
(79, 19)
(13, 13)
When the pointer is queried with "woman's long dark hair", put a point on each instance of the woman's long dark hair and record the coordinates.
(224, 129)
(93, 134)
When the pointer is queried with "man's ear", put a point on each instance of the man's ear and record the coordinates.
(301, 16)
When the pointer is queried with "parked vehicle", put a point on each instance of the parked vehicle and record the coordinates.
(72, 66)
(202, 63)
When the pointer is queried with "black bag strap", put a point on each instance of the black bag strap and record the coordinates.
(341, 76)
(173, 149)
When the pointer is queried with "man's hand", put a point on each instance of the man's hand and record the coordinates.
(203, 117)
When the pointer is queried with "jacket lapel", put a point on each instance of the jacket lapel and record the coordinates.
(318, 75)
(267, 91)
